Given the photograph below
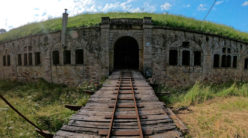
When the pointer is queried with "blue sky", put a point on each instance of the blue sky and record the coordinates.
(14, 13)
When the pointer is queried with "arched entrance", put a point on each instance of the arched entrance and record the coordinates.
(126, 53)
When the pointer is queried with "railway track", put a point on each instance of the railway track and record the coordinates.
(125, 86)
(126, 106)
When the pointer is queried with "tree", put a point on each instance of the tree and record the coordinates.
(2, 31)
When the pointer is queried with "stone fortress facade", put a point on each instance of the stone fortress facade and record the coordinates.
(170, 56)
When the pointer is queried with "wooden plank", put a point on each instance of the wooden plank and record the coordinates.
(125, 117)
(94, 117)
(125, 98)
(178, 122)
(126, 106)
(105, 124)
(124, 133)
(126, 88)
(126, 92)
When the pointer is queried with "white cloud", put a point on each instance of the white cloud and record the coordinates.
(135, 10)
(110, 6)
(219, 2)
(148, 7)
(201, 7)
(27, 11)
(126, 6)
(245, 3)
(166, 6)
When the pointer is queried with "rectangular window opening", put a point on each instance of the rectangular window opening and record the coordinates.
(55, 57)
(216, 60)
(25, 59)
(8, 60)
(30, 59)
(79, 56)
(4, 60)
(67, 57)
(173, 57)
(228, 61)
(37, 58)
(234, 61)
(19, 59)
(229, 50)
(185, 44)
(224, 50)
(186, 58)
(197, 58)
(246, 63)
(224, 61)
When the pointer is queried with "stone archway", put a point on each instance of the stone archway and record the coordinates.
(126, 53)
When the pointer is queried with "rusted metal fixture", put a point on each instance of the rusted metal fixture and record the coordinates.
(73, 107)
(90, 92)
(43, 133)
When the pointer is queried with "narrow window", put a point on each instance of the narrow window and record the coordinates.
(30, 59)
(55, 57)
(246, 63)
(173, 57)
(37, 58)
(185, 44)
(223, 61)
(186, 58)
(8, 60)
(228, 61)
(234, 61)
(228, 50)
(25, 59)
(4, 60)
(67, 57)
(197, 58)
(224, 50)
(79, 56)
(19, 59)
(216, 60)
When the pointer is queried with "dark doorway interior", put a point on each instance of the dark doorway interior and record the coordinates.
(126, 53)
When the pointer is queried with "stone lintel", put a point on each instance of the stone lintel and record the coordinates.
(126, 21)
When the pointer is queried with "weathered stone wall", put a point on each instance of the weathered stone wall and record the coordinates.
(87, 39)
(98, 45)
(179, 75)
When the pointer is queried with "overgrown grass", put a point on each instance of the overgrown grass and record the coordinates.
(202, 92)
(224, 117)
(41, 102)
(213, 110)
(94, 19)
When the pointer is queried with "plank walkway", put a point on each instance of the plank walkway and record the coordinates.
(90, 120)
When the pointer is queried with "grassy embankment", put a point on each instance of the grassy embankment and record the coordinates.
(41, 102)
(94, 19)
(214, 110)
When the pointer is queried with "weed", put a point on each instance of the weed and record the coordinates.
(41, 102)
(200, 93)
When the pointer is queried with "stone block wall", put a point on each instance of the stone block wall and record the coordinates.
(98, 45)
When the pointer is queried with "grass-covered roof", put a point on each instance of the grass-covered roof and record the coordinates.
(87, 20)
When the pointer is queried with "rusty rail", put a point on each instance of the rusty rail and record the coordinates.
(136, 109)
(113, 114)
(128, 86)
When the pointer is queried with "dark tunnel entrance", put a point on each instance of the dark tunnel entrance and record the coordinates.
(126, 53)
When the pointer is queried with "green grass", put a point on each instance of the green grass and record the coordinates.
(200, 93)
(214, 110)
(94, 19)
(41, 102)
